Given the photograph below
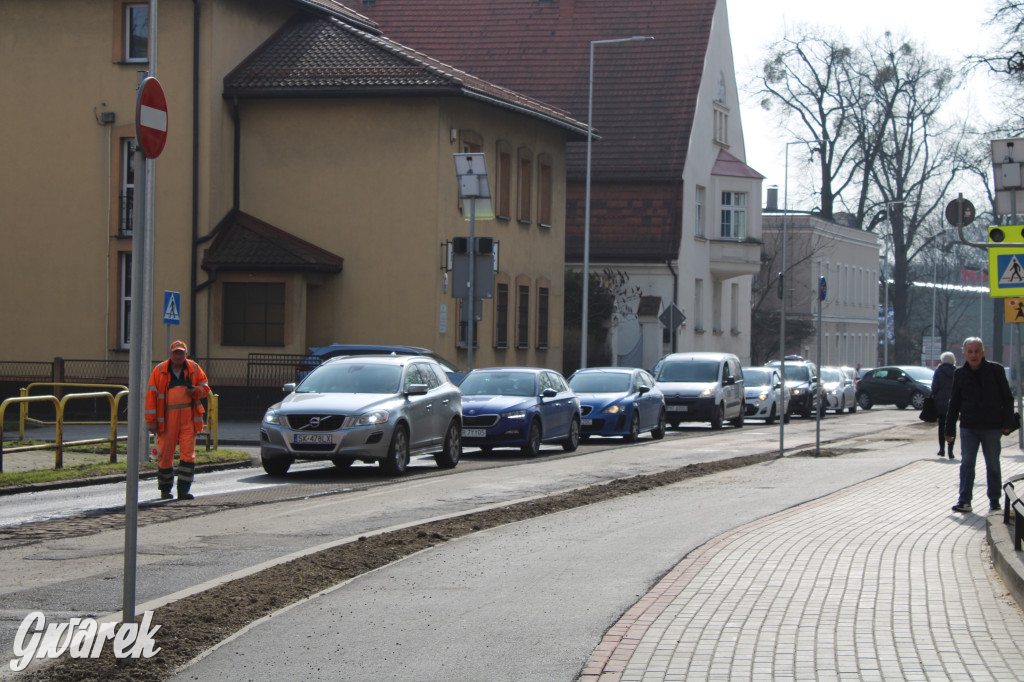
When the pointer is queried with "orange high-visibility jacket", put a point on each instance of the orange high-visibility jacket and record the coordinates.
(156, 394)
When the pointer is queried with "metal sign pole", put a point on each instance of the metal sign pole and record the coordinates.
(471, 299)
(817, 416)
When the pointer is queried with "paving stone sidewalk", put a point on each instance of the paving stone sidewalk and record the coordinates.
(880, 581)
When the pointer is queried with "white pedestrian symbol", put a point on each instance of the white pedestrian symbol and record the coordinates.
(1014, 272)
(172, 309)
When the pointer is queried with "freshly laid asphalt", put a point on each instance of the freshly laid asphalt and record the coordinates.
(833, 568)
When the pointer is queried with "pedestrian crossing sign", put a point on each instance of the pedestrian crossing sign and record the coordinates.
(172, 307)
(1006, 271)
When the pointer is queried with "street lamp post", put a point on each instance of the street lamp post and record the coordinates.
(782, 304)
(586, 208)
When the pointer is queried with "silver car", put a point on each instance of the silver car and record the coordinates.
(840, 390)
(370, 408)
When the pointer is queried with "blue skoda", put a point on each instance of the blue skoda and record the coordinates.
(619, 401)
(519, 407)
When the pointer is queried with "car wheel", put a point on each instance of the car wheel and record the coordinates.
(452, 452)
(397, 460)
(901, 406)
(718, 418)
(737, 423)
(853, 408)
(573, 441)
(865, 402)
(277, 466)
(917, 400)
(659, 431)
(771, 416)
(786, 417)
(342, 462)
(634, 428)
(531, 448)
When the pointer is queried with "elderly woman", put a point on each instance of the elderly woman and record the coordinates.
(942, 386)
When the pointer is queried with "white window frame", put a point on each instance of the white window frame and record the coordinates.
(128, 11)
(699, 200)
(733, 215)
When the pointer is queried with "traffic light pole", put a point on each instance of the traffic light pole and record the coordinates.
(472, 284)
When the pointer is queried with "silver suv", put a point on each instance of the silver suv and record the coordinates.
(371, 408)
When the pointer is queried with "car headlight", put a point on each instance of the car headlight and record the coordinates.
(515, 414)
(367, 419)
(271, 417)
(798, 391)
(613, 409)
(706, 392)
(763, 395)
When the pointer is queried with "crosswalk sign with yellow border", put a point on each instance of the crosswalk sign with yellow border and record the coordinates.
(1006, 271)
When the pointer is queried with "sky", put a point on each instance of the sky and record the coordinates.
(948, 28)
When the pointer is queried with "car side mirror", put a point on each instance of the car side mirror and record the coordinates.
(288, 388)
(777, 385)
(416, 389)
(644, 389)
(548, 393)
(730, 381)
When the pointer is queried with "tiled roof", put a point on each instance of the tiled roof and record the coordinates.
(244, 242)
(316, 56)
(645, 93)
(728, 165)
(337, 9)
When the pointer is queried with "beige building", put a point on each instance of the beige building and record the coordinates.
(306, 194)
(848, 260)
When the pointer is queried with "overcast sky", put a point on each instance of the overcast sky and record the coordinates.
(948, 28)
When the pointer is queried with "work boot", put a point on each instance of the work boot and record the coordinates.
(186, 471)
(164, 481)
(166, 495)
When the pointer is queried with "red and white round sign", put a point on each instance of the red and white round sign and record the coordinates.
(151, 118)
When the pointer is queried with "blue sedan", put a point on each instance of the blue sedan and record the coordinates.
(619, 401)
(519, 407)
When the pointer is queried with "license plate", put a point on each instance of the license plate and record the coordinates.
(474, 433)
(586, 422)
(677, 408)
(318, 438)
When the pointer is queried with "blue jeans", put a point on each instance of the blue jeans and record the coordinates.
(989, 440)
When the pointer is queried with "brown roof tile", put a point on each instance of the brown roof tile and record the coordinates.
(728, 165)
(315, 56)
(645, 93)
(244, 242)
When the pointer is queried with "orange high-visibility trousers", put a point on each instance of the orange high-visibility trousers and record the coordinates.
(180, 431)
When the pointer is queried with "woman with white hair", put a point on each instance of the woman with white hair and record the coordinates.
(942, 386)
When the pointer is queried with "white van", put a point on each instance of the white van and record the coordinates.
(701, 387)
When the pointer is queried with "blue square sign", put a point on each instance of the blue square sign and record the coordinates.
(172, 307)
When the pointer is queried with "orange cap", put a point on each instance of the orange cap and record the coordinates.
(179, 345)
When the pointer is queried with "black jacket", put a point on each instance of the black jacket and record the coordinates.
(942, 386)
(980, 399)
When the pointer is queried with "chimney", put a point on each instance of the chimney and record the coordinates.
(772, 204)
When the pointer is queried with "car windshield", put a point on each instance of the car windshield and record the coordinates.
(924, 374)
(499, 383)
(757, 377)
(352, 377)
(830, 375)
(797, 373)
(600, 382)
(689, 371)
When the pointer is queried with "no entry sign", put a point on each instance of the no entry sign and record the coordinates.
(151, 118)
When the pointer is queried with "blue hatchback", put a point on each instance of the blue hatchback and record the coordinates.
(619, 401)
(519, 407)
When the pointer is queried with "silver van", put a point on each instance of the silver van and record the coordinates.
(701, 387)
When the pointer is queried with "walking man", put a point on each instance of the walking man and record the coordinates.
(174, 412)
(981, 399)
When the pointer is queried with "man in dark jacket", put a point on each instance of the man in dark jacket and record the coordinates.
(981, 399)
(942, 386)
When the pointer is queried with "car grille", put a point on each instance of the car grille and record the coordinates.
(304, 422)
(482, 421)
(677, 400)
(585, 409)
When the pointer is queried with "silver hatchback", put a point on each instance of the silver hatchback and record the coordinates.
(370, 408)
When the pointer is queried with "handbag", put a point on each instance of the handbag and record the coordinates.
(928, 414)
(1016, 422)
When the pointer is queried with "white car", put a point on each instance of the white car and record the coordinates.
(766, 398)
(840, 391)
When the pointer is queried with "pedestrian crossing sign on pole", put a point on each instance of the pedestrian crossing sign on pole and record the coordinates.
(172, 307)
(1014, 310)
(1006, 271)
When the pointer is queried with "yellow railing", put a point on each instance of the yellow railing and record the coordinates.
(23, 412)
(210, 430)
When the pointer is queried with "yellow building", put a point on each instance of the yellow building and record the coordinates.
(306, 194)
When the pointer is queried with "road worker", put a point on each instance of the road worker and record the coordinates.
(174, 412)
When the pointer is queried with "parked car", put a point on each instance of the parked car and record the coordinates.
(519, 407)
(840, 392)
(619, 401)
(371, 408)
(766, 397)
(802, 381)
(701, 387)
(899, 385)
(319, 354)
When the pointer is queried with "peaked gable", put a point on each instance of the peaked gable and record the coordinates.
(244, 242)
